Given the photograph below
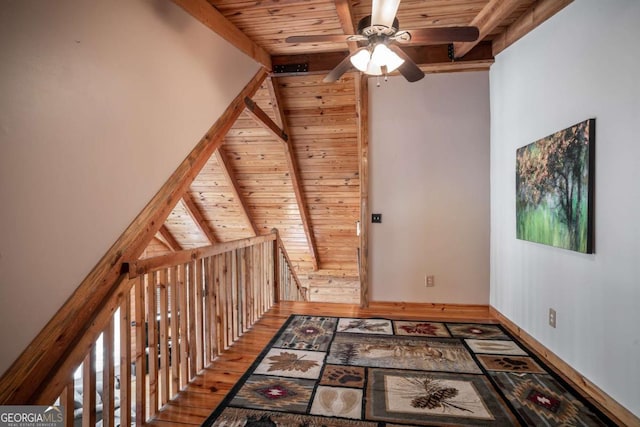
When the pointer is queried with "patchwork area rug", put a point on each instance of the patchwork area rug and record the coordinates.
(334, 372)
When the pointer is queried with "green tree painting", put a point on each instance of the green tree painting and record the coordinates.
(554, 189)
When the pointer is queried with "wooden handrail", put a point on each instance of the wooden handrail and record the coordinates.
(177, 314)
(292, 271)
(143, 266)
(58, 377)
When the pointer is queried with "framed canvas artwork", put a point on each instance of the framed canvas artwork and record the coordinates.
(554, 189)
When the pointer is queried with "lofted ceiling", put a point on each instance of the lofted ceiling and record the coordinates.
(291, 160)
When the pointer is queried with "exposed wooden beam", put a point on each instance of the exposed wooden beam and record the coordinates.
(275, 101)
(34, 377)
(294, 172)
(491, 15)
(207, 14)
(196, 215)
(345, 15)
(431, 58)
(362, 108)
(539, 12)
(235, 189)
(263, 119)
(168, 239)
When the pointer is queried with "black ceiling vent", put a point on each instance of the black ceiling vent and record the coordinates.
(290, 68)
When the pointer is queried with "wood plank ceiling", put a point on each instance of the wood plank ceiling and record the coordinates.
(291, 161)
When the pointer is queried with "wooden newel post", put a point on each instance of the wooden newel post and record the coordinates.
(276, 266)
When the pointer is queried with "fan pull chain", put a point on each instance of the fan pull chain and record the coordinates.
(386, 79)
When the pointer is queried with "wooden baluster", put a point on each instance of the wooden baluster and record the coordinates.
(206, 311)
(125, 359)
(108, 376)
(228, 317)
(164, 337)
(276, 272)
(219, 309)
(246, 267)
(68, 403)
(263, 280)
(285, 275)
(227, 299)
(174, 328)
(140, 348)
(242, 278)
(89, 389)
(213, 309)
(152, 348)
(240, 288)
(265, 275)
(268, 272)
(199, 314)
(222, 298)
(263, 284)
(191, 288)
(233, 279)
(184, 317)
(256, 283)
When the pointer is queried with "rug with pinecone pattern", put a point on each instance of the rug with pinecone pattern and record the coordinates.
(335, 372)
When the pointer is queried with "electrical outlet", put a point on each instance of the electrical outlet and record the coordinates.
(552, 318)
(429, 281)
(376, 218)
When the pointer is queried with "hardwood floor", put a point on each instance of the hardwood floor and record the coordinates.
(194, 404)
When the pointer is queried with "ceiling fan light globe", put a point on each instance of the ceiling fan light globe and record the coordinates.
(394, 63)
(373, 69)
(361, 60)
(383, 56)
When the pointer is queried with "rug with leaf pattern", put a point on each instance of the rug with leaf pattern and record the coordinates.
(334, 372)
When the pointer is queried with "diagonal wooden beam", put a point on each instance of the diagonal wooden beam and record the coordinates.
(196, 215)
(263, 119)
(44, 368)
(491, 15)
(539, 12)
(207, 14)
(345, 15)
(165, 236)
(235, 189)
(275, 101)
(294, 172)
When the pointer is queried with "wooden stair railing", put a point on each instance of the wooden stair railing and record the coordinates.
(288, 283)
(171, 316)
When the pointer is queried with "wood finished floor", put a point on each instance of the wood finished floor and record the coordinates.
(194, 404)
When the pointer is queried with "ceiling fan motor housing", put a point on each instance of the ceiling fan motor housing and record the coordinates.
(366, 29)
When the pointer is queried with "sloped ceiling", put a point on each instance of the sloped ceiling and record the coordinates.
(297, 169)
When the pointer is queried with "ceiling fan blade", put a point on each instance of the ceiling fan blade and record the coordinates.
(383, 12)
(408, 69)
(444, 34)
(339, 70)
(322, 38)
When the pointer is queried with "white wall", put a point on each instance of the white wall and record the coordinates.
(100, 101)
(582, 63)
(429, 166)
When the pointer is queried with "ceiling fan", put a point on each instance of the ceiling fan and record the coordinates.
(380, 33)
